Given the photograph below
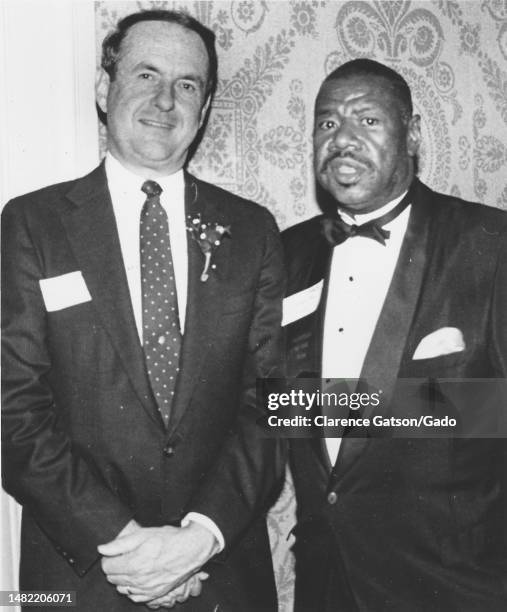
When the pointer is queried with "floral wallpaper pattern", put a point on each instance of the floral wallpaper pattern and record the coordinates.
(272, 59)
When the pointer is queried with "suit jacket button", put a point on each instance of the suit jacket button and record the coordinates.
(169, 451)
(332, 497)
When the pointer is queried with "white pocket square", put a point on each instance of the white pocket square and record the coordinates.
(443, 341)
(60, 292)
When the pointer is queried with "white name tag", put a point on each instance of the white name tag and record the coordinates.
(63, 291)
(301, 304)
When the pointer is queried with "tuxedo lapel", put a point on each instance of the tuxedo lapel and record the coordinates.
(382, 362)
(205, 299)
(92, 233)
(309, 266)
(316, 266)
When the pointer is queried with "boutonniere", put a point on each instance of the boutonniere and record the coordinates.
(208, 236)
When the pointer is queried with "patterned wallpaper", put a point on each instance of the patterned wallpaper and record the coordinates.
(272, 59)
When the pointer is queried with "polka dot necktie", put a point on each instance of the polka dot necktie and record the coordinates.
(161, 330)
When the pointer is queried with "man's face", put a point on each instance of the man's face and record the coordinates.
(362, 145)
(157, 100)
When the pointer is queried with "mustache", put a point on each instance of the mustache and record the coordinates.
(344, 155)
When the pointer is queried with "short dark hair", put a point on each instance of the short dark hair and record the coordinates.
(371, 68)
(112, 42)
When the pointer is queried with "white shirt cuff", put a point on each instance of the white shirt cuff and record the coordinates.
(203, 520)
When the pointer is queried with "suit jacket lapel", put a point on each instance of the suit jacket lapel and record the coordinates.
(382, 362)
(91, 228)
(205, 300)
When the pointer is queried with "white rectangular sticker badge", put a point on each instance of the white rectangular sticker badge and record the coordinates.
(64, 291)
(301, 304)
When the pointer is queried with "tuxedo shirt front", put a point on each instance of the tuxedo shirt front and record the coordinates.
(359, 277)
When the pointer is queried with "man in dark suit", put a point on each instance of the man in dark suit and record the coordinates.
(396, 282)
(139, 306)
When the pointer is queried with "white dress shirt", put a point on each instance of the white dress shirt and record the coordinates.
(128, 200)
(360, 275)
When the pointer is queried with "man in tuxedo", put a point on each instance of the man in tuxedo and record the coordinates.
(394, 283)
(140, 304)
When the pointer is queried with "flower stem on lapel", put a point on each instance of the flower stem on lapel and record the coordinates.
(207, 260)
(209, 236)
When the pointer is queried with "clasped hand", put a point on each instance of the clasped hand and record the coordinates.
(158, 565)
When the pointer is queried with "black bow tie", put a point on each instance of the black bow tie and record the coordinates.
(337, 231)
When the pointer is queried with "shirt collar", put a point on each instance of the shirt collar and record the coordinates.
(360, 219)
(118, 175)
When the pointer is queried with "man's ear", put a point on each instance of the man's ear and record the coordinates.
(102, 84)
(414, 135)
(204, 111)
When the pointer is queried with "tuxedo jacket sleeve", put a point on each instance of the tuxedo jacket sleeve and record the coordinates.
(42, 468)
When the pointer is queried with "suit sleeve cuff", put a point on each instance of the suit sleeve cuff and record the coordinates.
(203, 520)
